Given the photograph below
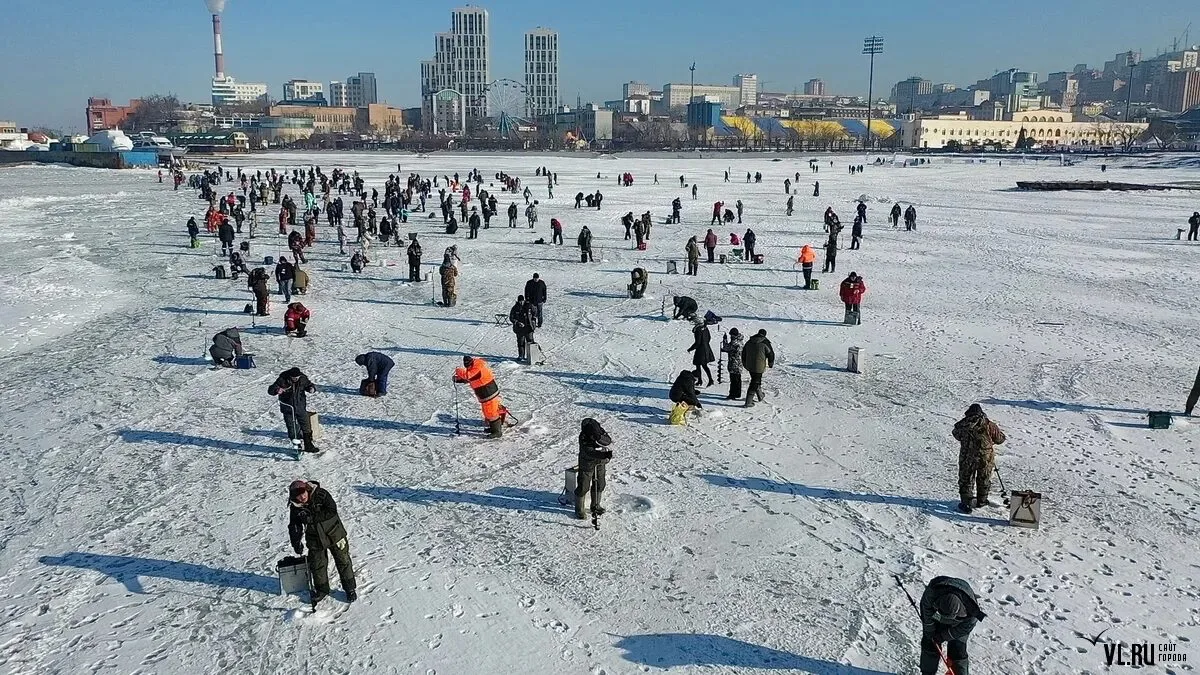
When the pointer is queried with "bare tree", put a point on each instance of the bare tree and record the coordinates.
(155, 112)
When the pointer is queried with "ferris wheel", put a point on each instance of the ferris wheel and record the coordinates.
(507, 103)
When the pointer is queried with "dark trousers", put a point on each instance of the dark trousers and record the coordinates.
(297, 424)
(628, 234)
(830, 264)
(557, 238)
(523, 346)
(956, 650)
(261, 303)
(735, 385)
(755, 388)
(693, 267)
(414, 271)
(586, 252)
(1193, 396)
(537, 308)
(703, 367)
(750, 252)
(318, 567)
(590, 481)
(854, 242)
(1192, 232)
(381, 382)
(710, 254)
(512, 221)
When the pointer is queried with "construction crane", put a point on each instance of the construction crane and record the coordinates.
(1186, 34)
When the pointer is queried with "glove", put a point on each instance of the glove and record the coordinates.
(298, 548)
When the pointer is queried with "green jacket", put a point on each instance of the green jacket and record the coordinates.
(977, 434)
(758, 355)
(317, 521)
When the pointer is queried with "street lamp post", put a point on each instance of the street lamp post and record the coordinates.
(872, 45)
(1131, 59)
(691, 102)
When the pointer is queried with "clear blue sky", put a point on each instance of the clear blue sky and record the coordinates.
(56, 53)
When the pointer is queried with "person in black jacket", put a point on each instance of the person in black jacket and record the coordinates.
(593, 468)
(313, 521)
(685, 307)
(226, 234)
(523, 321)
(683, 390)
(949, 612)
(226, 345)
(193, 231)
(378, 367)
(535, 295)
(291, 388)
(702, 353)
(285, 273)
(414, 260)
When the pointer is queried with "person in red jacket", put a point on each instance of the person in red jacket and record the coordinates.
(710, 243)
(295, 320)
(716, 217)
(851, 292)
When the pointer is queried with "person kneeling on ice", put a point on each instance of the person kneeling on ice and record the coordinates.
(977, 437)
(226, 346)
(683, 392)
(685, 307)
(949, 612)
(593, 467)
(314, 521)
(637, 284)
(476, 373)
(378, 366)
(358, 262)
(292, 388)
(295, 320)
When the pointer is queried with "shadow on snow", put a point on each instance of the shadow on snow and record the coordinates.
(670, 650)
(945, 509)
(516, 499)
(129, 570)
(172, 438)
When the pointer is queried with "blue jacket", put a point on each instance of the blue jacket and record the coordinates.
(377, 364)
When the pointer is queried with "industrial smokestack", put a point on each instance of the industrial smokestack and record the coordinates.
(216, 7)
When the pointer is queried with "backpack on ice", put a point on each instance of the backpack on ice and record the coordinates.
(368, 388)
(220, 271)
(245, 362)
(711, 319)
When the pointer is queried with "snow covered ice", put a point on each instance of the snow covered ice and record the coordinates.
(145, 497)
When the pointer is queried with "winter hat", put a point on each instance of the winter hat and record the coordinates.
(949, 607)
(467, 360)
(975, 410)
(297, 487)
(734, 332)
(535, 275)
(762, 332)
(361, 359)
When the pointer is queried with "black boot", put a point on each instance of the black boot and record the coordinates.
(496, 428)
(351, 595)
(308, 444)
(964, 507)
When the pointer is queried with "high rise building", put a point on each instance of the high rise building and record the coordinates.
(302, 90)
(339, 97)
(227, 91)
(461, 63)
(814, 87)
(1180, 91)
(361, 91)
(631, 89)
(747, 87)
(905, 92)
(541, 71)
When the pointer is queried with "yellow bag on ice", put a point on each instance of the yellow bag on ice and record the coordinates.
(679, 415)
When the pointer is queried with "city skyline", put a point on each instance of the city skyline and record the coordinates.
(175, 48)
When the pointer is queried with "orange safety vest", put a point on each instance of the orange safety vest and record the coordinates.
(807, 255)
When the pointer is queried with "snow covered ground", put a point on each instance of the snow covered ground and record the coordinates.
(145, 495)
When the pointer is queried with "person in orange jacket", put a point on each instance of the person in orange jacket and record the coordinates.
(295, 320)
(212, 219)
(476, 373)
(806, 259)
